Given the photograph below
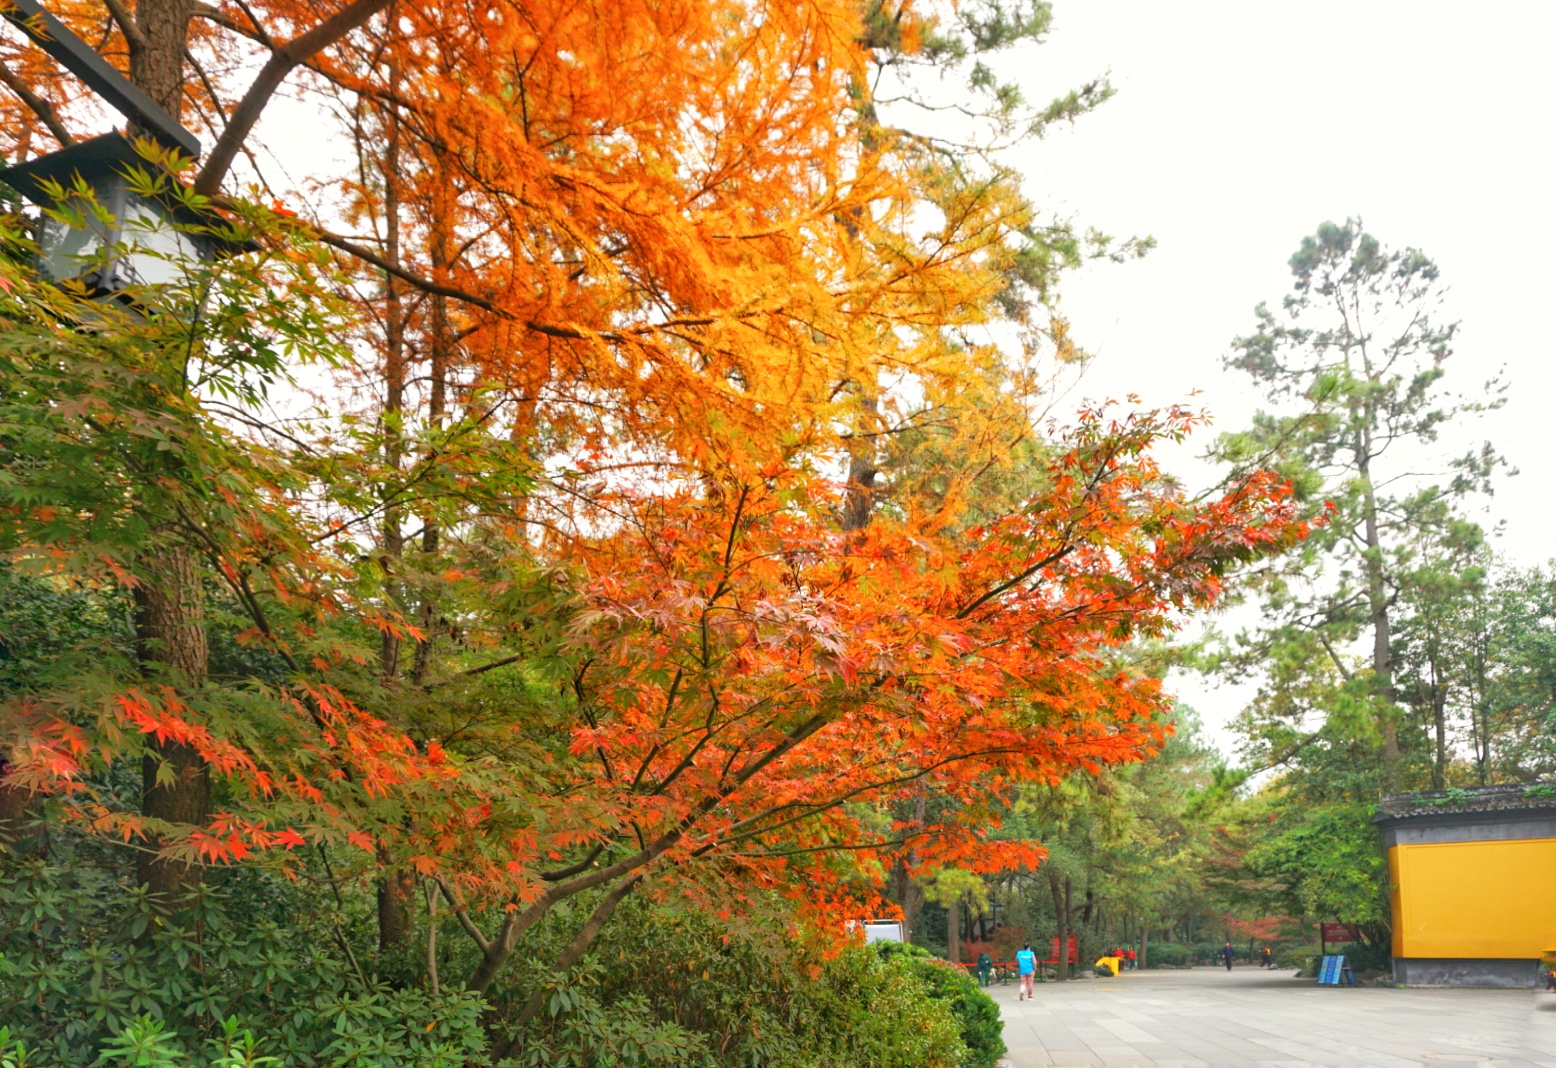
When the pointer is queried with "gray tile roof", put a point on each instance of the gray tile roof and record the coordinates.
(1520, 797)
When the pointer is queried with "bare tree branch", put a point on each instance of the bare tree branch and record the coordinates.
(40, 107)
(127, 24)
(281, 63)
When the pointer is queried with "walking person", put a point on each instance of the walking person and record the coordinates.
(1026, 965)
(985, 969)
(1129, 958)
(1227, 953)
(1264, 957)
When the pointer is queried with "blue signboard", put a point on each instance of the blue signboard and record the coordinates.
(1334, 972)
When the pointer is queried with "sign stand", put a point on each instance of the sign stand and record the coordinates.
(1335, 971)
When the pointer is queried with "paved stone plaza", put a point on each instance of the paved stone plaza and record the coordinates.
(1208, 1016)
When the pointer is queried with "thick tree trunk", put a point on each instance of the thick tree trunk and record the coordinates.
(396, 891)
(175, 780)
(170, 608)
(157, 59)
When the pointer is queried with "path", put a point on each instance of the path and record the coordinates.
(1208, 1016)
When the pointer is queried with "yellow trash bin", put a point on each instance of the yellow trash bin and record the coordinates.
(1109, 966)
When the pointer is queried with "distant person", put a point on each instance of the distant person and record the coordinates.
(985, 968)
(1129, 957)
(1264, 957)
(1227, 953)
(1026, 966)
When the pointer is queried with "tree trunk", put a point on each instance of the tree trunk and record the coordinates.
(862, 469)
(1378, 610)
(18, 811)
(394, 386)
(169, 607)
(175, 781)
(953, 932)
(1145, 944)
(1439, 726)
(1060, 889)
(912, 896)
(396, 886)
(396, 890)
(577, 947)
(157, 63)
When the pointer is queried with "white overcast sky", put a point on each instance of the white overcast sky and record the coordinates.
(1240, 126)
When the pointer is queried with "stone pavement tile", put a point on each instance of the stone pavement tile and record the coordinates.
(1124, 1030)
(1264, 1021)
(1163, 1053)
(1121, 1055)
(1211, 1053)
(1314, 1052)
(1061, 1038)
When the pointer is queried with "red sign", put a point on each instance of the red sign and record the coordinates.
(1338, 932)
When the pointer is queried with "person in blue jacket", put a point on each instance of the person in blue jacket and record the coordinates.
(1227, 953)
(1026, 964)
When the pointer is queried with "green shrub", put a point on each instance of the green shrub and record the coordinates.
(85, 963)
(266, 971)
(1166, 955)
(1295, 956)
(977, 1015)
(673, 986)
(1206, 953)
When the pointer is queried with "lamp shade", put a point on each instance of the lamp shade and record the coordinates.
(141, 242)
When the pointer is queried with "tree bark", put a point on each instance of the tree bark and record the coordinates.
(396, 886)
(396, 891)
(953, 932)
(1378, 611)
(912, 896)
(157, 51)
(17, 813)
(1060, 891)
(862, 471)
(172, 647)
(169, 606)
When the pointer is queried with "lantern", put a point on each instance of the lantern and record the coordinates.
(143, 242)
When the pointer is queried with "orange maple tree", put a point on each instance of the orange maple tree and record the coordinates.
(677, 514)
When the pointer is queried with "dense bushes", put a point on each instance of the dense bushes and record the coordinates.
(1166, 955)
(977, 1016)
(87, 968)
(712, 995)
(1206, 953)
(1296, 957)
(83, 959)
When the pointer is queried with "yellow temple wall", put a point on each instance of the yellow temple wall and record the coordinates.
(1474, 899)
